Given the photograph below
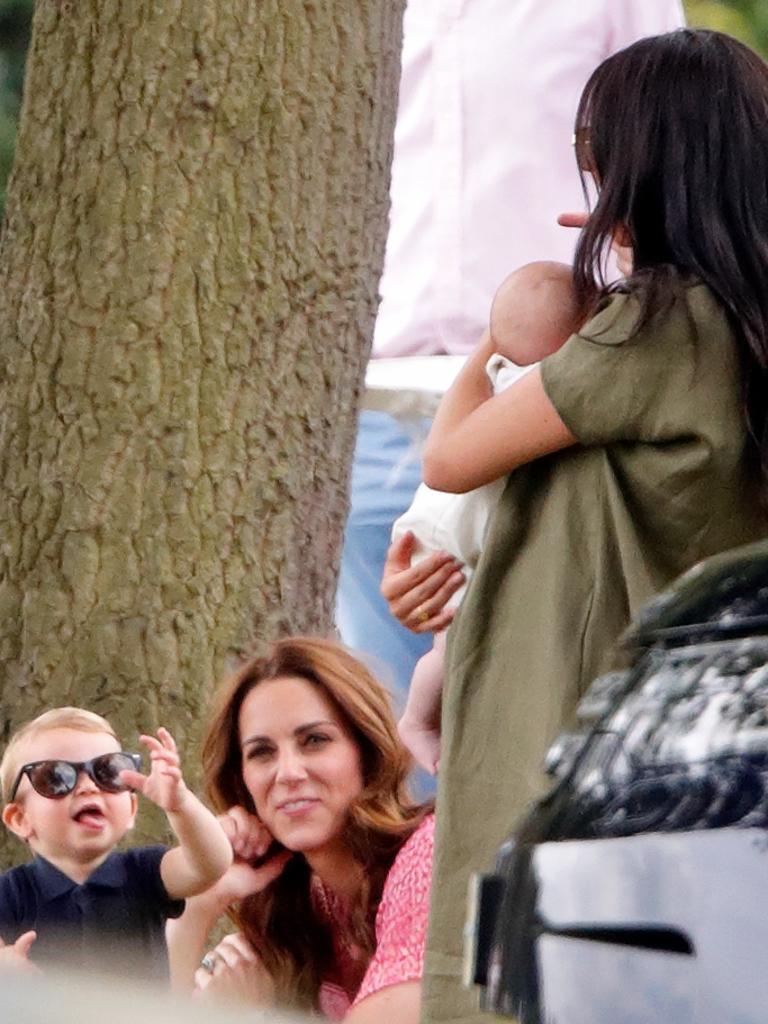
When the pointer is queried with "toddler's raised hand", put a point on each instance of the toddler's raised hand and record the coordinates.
(164, 785)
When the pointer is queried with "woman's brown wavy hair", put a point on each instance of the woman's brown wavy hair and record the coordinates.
(281, 922)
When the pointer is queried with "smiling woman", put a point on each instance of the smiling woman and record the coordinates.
(330, 883)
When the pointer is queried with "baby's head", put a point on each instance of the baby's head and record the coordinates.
(534, 311)
(61, 786)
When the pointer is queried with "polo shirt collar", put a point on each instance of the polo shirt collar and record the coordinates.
(53, 883)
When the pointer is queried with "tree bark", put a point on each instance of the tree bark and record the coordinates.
(188, 282)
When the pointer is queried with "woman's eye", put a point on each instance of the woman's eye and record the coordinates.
(316, 739)
(258, 753)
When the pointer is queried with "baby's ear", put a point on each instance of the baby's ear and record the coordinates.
(15, 819)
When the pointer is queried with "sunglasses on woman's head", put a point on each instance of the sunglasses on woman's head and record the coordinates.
(54, 778)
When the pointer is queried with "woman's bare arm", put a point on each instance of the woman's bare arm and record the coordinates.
(478, 437)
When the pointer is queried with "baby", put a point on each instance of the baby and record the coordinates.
(533, 312)
(69, 792)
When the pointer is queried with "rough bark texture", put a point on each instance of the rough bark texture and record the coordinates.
(188, 282)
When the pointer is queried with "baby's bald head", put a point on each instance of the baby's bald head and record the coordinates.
(534, 311)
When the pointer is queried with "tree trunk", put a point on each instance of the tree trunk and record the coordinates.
(188, 283)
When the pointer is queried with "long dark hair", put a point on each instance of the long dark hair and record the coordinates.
(675, 130)
(281, 922)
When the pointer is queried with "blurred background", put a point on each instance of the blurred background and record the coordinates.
(745, 19)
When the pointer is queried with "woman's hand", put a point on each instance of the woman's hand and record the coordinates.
(235, 974)
(417, 594)
(620, 244)
(250, 840)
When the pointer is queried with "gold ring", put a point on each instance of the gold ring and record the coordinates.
(423, 615)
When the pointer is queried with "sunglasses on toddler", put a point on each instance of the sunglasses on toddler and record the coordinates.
(55, 779)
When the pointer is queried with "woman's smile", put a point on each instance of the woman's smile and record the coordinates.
(298, 806)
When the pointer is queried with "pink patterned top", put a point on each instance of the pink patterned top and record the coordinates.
(401, 927)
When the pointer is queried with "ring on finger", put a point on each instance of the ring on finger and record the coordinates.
(422, 615)
(208, 963)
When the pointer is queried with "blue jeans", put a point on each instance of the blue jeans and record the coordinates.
(385, 475)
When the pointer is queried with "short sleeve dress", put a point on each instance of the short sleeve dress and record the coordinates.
(401, 927)
(580, 540)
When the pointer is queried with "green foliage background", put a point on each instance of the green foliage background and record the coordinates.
(746, 19)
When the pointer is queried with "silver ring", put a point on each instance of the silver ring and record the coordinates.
(208, 963)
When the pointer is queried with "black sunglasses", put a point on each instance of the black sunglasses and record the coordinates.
(55, 779)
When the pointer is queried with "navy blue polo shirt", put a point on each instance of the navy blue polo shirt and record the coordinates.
(114, 923)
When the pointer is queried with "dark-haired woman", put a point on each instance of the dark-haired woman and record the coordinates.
(636, 450)
(330, 883)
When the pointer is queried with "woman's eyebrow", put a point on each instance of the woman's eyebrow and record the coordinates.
(313, 725)
(254, 739)
(296, 732)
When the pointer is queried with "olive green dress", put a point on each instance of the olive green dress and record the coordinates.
(581, 539)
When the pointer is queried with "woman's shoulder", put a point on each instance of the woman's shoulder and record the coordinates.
(401, 920)
(420, 842)
(679, 310)
(412, 867)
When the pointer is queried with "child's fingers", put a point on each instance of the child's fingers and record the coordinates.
(166, 739)
(151, 742)
(163, 740)
(24, 943)
(168, 756)
(132, 779)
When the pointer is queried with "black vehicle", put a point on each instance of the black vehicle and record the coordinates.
(637, 890)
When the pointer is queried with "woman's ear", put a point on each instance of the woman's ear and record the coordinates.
(622, 237)
(15, 819)
(622, 248)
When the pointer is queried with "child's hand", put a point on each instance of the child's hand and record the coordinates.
(164, 785)
(15, 958)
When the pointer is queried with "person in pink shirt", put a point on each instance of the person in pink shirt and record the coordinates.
(482, 166)
(333, 859)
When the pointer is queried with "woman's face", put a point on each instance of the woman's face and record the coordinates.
(301, 764)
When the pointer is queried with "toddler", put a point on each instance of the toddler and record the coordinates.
(533, 312)
(69, 792)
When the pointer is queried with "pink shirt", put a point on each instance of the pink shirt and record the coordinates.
(483, 159)
(401, 926)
